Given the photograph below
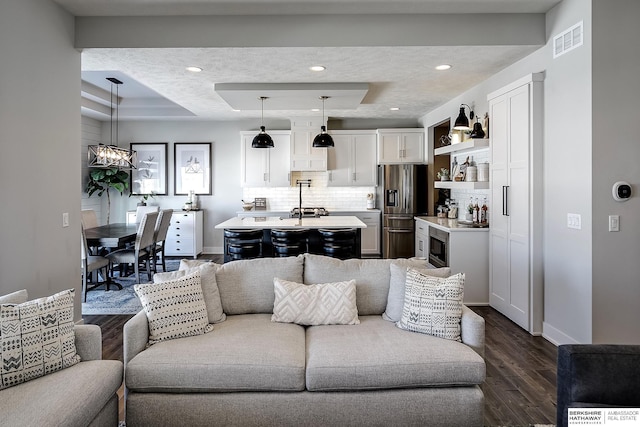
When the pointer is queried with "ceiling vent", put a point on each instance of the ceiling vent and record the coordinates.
(568, 40)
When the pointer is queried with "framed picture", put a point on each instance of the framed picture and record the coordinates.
(192, 162)
(150, 175)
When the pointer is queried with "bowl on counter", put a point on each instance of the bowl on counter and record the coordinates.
(247, 206)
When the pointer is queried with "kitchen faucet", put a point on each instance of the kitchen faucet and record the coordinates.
(300, 183)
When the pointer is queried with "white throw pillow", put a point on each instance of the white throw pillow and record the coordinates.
(17, 297)
(320, 304)
(37, 338)
(186, 264)
(210, 291)
(174, 309)
(395, 299)
(433, 305)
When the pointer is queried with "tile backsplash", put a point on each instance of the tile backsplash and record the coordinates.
(318, 195)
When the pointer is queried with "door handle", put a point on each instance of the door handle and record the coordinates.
(505, 200)
(400, 231)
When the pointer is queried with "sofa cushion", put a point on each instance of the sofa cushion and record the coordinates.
(433, 305)
(36, 338)
(378, 355)
(371, 275)
(395, 300)
(70, 397)
(175, 308)
(317, 304)
(244, 353)
(210, 291)
(17, 297)
(246, 286)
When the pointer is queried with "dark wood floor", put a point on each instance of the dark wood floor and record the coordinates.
(520, 388)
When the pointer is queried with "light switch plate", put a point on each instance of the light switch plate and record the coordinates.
(65, 219)
(614, 222)
(574, 221)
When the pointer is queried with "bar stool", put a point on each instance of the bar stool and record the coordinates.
(289, 242)
(242, 244)
(338, 242)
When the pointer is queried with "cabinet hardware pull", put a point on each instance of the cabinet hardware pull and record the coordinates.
(505, 200)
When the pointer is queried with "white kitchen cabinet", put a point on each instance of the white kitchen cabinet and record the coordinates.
(400, 146)
(353, 160)
(185, 234)
(305, 157)
(516, 202)
(370, 237)
(422, 239)
(262, 167)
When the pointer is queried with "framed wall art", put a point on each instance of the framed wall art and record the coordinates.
(192, 163)
(150, 175)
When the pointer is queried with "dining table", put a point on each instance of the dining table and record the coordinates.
(111, 236)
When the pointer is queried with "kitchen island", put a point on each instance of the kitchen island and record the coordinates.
(268, 223)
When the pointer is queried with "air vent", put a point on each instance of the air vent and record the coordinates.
(568, 40)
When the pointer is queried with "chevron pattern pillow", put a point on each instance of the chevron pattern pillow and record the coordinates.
(174, 309)
(36, 338)
(321, 304)
(433, 305)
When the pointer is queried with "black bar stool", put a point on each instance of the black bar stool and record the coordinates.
(289, 242)
(338, 242)
(242, 244)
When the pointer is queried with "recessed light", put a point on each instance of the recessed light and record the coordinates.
(317, 68)
(443, 67)
(394, 108)
(194, 69)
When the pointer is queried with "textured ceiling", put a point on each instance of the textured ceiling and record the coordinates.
(397, 76)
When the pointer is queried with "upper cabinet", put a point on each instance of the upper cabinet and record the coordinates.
(400, 146)
(265, 166)
(304, 157)
(352, 162)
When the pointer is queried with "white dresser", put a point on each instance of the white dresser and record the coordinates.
(184, 237)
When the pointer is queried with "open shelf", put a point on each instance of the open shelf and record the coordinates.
(462, 147)
(462, 185)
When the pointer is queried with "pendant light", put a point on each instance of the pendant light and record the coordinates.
(323, 139)
(262, 140)
(477, 131)
(462, 122)
(110, 156)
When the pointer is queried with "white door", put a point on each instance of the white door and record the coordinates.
(278, 164)
(339, 161)
(389, 147)
(412, 147)
(364, 169)
(253, 163)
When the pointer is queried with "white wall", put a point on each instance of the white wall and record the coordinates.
(39, 138)
(91, 134)
(616, 157)
(567, 169)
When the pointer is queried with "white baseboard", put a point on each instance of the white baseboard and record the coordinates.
(556, 336)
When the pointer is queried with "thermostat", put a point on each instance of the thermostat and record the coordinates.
(621, 191)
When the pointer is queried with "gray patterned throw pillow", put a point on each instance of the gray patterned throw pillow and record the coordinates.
(433, 305)
(174, 309)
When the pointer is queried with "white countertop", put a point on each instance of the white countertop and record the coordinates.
(277, 222)
(447, 224)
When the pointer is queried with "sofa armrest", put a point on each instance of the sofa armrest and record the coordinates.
(472, 330)
(88, 341)
(135, 336)
(597, 375)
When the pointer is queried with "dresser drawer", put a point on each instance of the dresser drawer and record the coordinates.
(179, 246)
(184, 219)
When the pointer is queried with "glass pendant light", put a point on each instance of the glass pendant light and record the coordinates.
(110, 156)
(462, 122)
(262, 140)
(323, 139)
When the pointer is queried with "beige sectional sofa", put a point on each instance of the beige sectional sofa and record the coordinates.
(250, 371)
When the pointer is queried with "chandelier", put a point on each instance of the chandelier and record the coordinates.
(110, 156)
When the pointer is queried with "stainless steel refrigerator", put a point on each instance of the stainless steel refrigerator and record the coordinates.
(404, 195)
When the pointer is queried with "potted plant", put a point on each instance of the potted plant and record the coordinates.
(443, 174)
(143, 198)
(102, 180)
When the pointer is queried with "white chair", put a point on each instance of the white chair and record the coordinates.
(142, 210)
(160, 235)
(142, 249)
(89, 218)
(91, 263)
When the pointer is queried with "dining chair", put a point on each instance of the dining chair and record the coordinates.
(159, 238)
(142, 210)
(141, 250)
(91, 263)
(89, 218)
